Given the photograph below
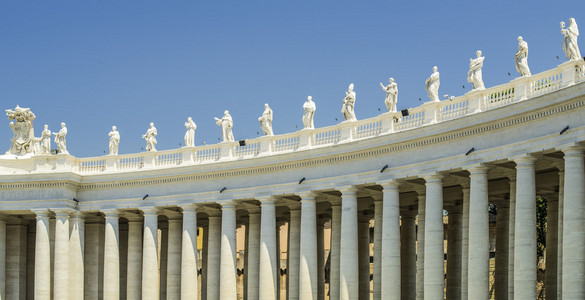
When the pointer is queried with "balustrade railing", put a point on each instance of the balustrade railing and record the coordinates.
(367, 129)
(326, 136)
(545, 83)
(495, 98)
(92, 165)
(130, 162)
(286, 143)
(250, 149)
(168, 158)
(453, 109)
(414, 119)
(207, 153)
(579, 73)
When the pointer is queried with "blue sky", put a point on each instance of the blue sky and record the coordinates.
(94, 64)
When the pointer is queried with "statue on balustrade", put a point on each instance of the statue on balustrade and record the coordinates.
(432, 85)
(348, 105)
(521, 58)
(226, 124)
(46, 141)
(60, 139)
(309, 108)
(391, 95)
(190, 134)
(570, 41)
(150, 137)
(114, 140)
(266, 120)
(22, 128)
(474, 75)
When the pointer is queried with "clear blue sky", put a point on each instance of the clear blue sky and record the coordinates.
(94, 64)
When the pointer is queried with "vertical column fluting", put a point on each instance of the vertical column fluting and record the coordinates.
(134, 274)
(407, 256)
(335, 249)
(61, 268)
(268, 256)
(434, 254)
(253, 255)
(511, 239)
(561, 169)
(420, 248)
(378, 227)
(550, 281)
(293, 254)
(42, 257)
(2, 257)
(502, 247)
(390, 250)
(525, 233)
(574, 225)
(320, 258)
(227, 269)
(364, 255)
(454, 252)
(188, 281)
(478, 266)
(175, 244)
(76, 254)
(308, 247)
(464, 240)
(111, 256)
(348, 269)
(214, 257)
(150, 269)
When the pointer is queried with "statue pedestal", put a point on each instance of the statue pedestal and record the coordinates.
(305, 141)
(226, 150)
(187, 155)
(347, 129)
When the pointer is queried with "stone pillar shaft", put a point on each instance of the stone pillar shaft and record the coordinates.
(502, 247)
(550, 281)
(175, 243)
(253, 256)
(308, 248)
(348, 280)
(76, 252)
(227, 270)
(378, 227)
(364, 257)
(188, 280)
(511, 239)
(150, 269)
(214, 257)
(335, 249)
(434, 277)
(268, 255)
(134, 274)
(465, 242)
(478, 267)
(454, 253)
(111, 257)
(2, 257)
(42, 257)
(390, 257)
(408, 256)
(420, 249)
(61, 267)
(293, 254)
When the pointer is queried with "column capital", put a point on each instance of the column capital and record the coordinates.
(433, 178)
(347, 190)
(190, 208)
(266, 200)
(77, 215)
(41, 213)
(409, 212)
(573, 150)
(111, 213)
(525, 160)
(389, 184)
(307, 195)
(62, 212)
(171, 214)
(478, 169)
(335, 202)
(227, 204)
(150, 210)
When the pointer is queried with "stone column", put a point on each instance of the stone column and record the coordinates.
(434, 254)
(253, 271)
(408, 256)
(378, 225)
(420, 248)
(550, 282)
(61, 268)
(308, 249)
(188, 280)
(163, 231)
(213, 257)
(2, 257)
(42, 257)
(268, 256)
(364, 255)
(320, 258)
(175, 238)
(76, 252)
(465, 241)
(525, 233)
(150, 269)
(293, 254)
(93, 259)
(574, 225)
(15, 255)
(204, 255)
(454, 252)
(335, 249)
(502, 235)
(111, 256)
(511, 235)
(390, 256)
(561, 169)
(134, 274)
(227, 270)
(348, 279)
(478, 266)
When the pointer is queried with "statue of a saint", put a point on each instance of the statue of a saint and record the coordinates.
(521, 58)
(348, 105)
(391, 95)
(570, 41)
(114, 140)
(266, 120)
(190, 134)
(474, 74)
(60, 139)
(46, 140)
(308, 114)
(226, 124)
(432, 85)
(22, 127)
(150, 137)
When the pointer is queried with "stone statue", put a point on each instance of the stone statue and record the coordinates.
(114, 140)
(22, 128)
(308, 114)
(432, 85)
(474, 74)
(150, 137)
(570, 41)
(226, 124)
(348, 105)
(521, 58)
(190, 134)
(46, 141)
(60, 139)
(266, 120)
(391, 95)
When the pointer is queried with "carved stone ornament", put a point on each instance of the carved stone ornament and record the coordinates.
(22, 127)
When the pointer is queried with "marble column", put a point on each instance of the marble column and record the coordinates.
(478, 266)
(434, 254)
(511, 237)
(454, 252)
(227, 270)
(308, 247)
(574, 225)
(502, 234)
(61, 268)
(550, 281)
(213, 257)
(76, 254)
(420, 248)
(408, 256)
(348, 279)
(150, 269)
(320, 258)
(390, 256)
(525, 233)
(464, 240)
(175, 244)
(253, 255)
(268, 256)
(561, 169)
(93, 260)
(2, 257)
(204, 255)
(111, 256)
(134, 274)
(293, 253)
(163, 247)
(378, 225)
(15, 255)
(335, 249)
(42, 257)
(188, 279)
(364, 255)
